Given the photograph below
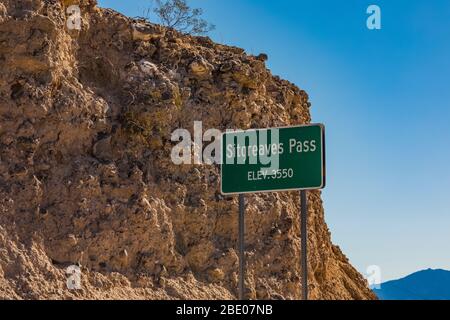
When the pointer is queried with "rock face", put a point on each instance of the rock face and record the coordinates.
(86, 178)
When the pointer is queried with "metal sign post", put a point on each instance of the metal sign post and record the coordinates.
(304, 242)
(241, 246)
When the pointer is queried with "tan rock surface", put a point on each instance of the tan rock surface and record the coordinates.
(86, 176)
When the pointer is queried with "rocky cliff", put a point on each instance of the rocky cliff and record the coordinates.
(86, 178)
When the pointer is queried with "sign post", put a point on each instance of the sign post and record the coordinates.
(273, 160)
(241, 246)
(304, 239)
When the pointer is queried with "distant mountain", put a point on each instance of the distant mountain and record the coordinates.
(423, 285)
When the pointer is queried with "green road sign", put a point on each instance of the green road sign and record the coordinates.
(276, 159)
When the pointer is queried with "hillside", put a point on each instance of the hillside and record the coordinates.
(423, 285)
(86, 176)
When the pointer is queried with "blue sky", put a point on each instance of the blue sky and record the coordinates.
(384, 96)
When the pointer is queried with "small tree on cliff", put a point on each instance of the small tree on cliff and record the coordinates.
(179, 15)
